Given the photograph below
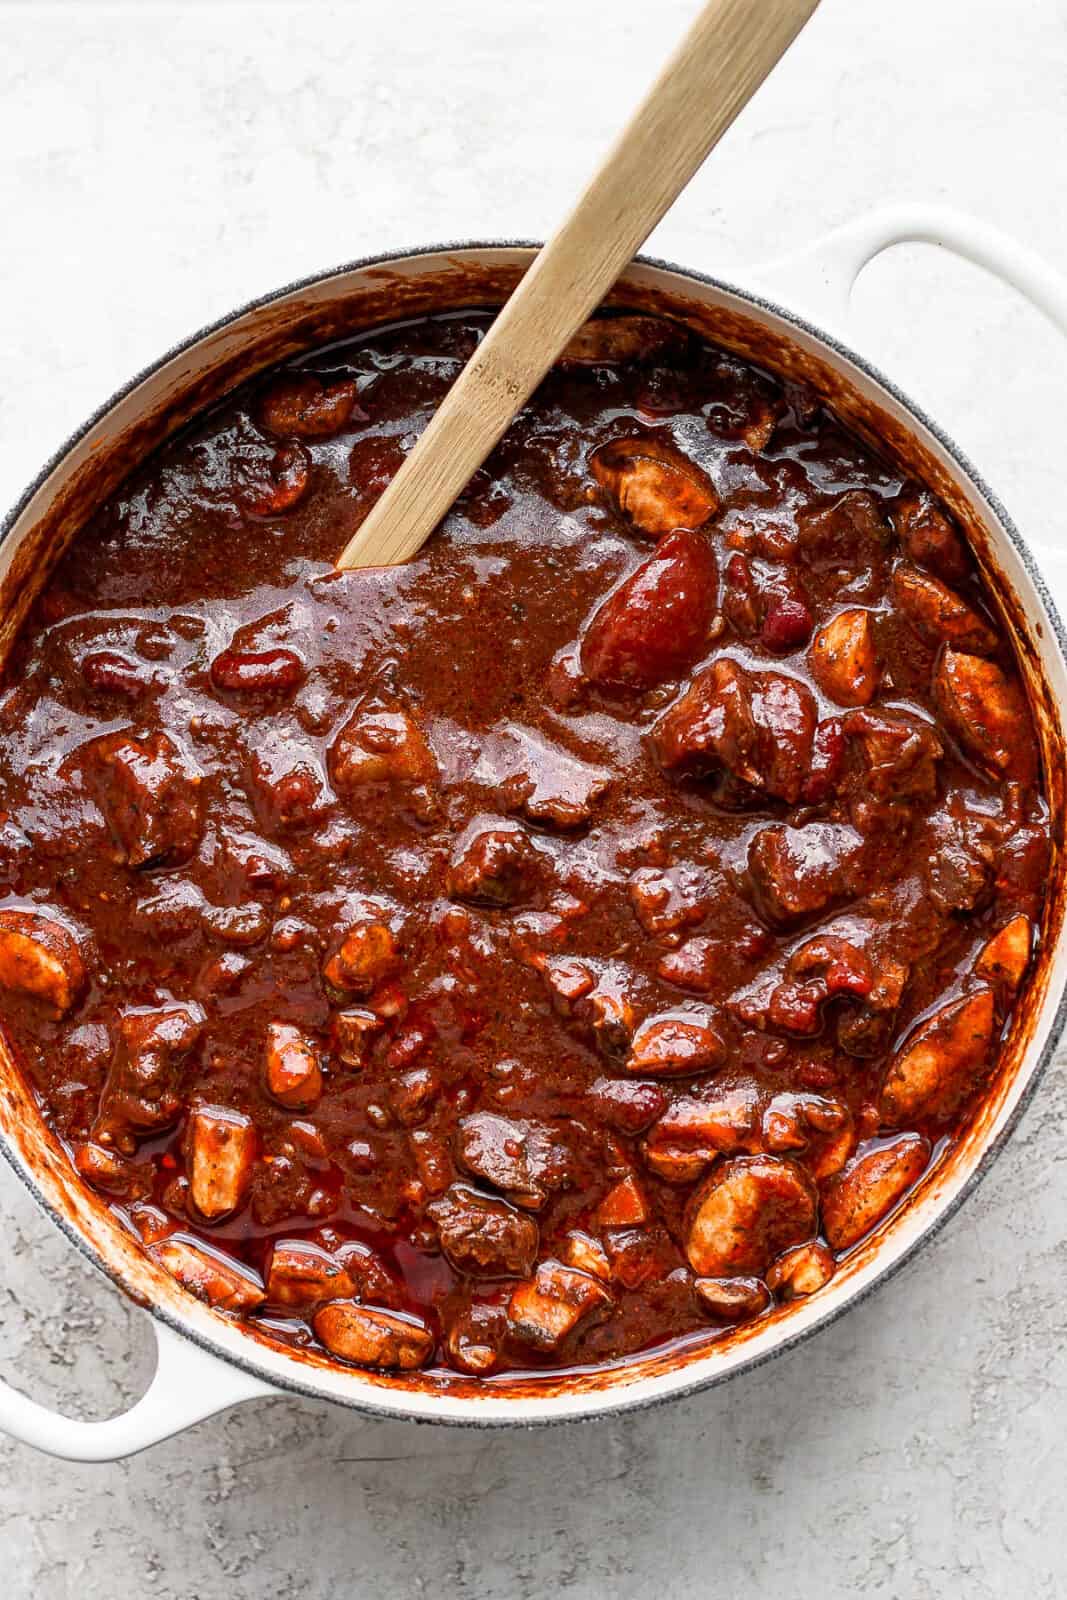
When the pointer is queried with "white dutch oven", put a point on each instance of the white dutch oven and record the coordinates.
(207, 1363)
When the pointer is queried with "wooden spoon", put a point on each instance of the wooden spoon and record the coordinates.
(716, 70)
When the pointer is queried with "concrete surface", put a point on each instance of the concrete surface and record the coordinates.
(159, 163)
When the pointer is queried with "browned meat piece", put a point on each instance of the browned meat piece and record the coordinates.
(844, 658)
(626, 1104)
(798, 1121)
(303, 1275)
(667, 899)
(960, 861)
(801, 1271)
(413, 1095)
(939, 614)
(302, 405)
(216, 1279)
(285, 787)
(111, 1173)
(654, 485)
(278, 484)
(484, 1236)
(366, 955)
(495, 866)
(795, 872)
(940, 1062)
(865, 1030)
(581, 1250)
(898, 754)
(657, 623)
(745, 1213)
(292, 1072)
(722, 1119)
(473, 1340)
(149, 797)
(618, 341)
(988, 714)
(528, 1160)
(370, 1337)
(220, 1150)
(624, 1205)
(534, 775)
(381, 743)
(352, 1034)
(640, 1255)
(40, 957)
(596, 1000)
(823, 969)
(142, 1093)
(929, 537)
(733, 1299)
(756, 726)
(1005, 958)
(870, 1186)
(553, 1303)
(676, 1044)
(847, 544)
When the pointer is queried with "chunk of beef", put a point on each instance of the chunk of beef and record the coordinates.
(677, 1043)
(292, 1071)
(929, 537)
(548, 1307)
(656, 624)
(793, 873)
(302, 1275)
(871, 1184)
(220, 1150)
(142, 1093)
(847, 545)
(745, 1213)
(369, 1337)
(940, 1062)
(621, 341)
(536, 776)
(654, 485)
(147, 794)
(757, 726)
(528, 1160)
(844, 658)
(801, 1271)
(987, 713)
(719, 1119)
(669, 899)
(40, 957)
(939, 614)
(960, 861)
(495, 866)
(897, 754)
(381, 743)
(303, 405)
(484, 1236)
(366, 955)
(733, 1300)
(212, 1277)
(594, 997)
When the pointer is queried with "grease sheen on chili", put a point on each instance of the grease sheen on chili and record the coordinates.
(575, 940)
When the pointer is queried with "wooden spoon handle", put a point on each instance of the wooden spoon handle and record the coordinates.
(717, 69)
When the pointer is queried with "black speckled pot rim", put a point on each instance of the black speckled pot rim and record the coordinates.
(599, 1408)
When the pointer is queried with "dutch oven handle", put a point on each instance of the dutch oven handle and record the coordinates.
(187, 1386)
(817, 281)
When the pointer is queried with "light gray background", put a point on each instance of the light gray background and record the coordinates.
(158, 164)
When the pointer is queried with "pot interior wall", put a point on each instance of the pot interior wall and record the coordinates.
(164, 400)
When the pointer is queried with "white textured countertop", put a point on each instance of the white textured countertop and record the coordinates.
(160, 163)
